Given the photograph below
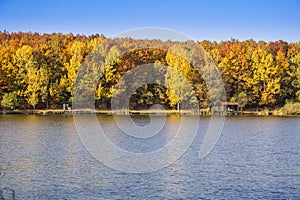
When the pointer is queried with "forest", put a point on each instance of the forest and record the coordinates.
(38, 71)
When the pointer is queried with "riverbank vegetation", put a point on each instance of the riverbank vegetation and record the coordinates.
(39, 71)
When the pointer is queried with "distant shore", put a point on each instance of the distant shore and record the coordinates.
(145, 112)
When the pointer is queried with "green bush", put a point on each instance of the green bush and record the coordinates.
(291, 108)
(9, 101)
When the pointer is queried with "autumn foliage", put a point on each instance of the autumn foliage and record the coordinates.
(39, 71)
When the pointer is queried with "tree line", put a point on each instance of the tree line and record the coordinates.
(40, 70)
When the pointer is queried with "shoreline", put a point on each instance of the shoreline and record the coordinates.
(142, 112)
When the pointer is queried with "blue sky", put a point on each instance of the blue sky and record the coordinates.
(213, 20)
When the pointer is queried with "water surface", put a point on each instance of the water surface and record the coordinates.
(42, 157)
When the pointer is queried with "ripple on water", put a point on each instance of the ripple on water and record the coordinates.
(42, 157)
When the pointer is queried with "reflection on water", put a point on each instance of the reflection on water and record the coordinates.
(41, 157)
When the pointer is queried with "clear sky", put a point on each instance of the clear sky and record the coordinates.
(199, 19)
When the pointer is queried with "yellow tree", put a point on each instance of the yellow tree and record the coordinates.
(264, 83)
(23, 60)
(37, 84)
(77, 51)
(178, 76)
(283, 70)
(105, 87)
(30, 75)
(8, 70)
(296, 76)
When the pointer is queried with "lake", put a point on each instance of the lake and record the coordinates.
(42, 157)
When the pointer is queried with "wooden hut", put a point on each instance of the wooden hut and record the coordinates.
(229, 106)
